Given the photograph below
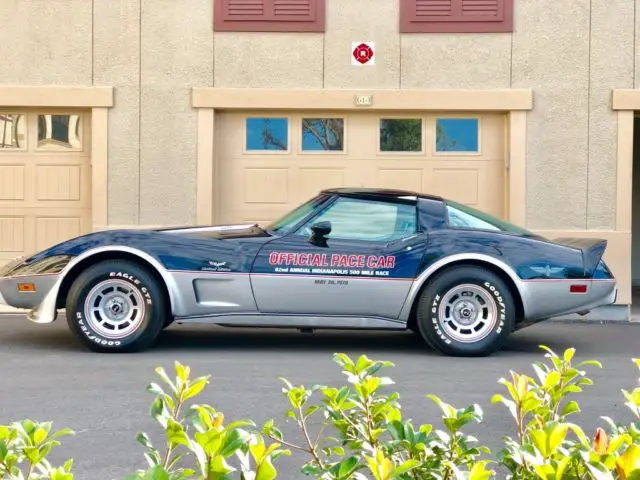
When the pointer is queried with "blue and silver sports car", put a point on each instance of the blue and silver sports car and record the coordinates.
(346, 259)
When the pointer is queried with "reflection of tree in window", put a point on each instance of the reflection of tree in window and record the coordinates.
(323, 134)
(443, 141)
(457, 134)
(401, 135)
(269, 139)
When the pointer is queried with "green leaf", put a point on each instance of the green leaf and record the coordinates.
(570, 408)
(403, 468)
(165, 378)
(347, 467)
(557, 436)
(568, 354)
(157, 473)
(232, 442)
(266, 470)
(195, 388)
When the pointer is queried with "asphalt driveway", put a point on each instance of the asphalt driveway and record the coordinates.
(45, 375)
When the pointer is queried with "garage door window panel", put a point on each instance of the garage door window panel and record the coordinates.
(353, 219)
(457, 136)
(13, 131)
(266, 135)
(59, 132)
(322, 135)
(400, 135)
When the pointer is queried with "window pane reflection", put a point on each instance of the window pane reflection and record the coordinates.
(401, 135)
(12, 131)
(457, 135)
(59, 132)
(267, 134)
(323, 134)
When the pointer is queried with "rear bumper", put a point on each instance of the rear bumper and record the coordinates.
(551, 298)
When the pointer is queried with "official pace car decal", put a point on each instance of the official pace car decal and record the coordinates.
(331, 264)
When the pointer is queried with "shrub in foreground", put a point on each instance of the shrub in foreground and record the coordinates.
(357, 432)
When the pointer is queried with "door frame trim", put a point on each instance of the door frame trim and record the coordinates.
(515, 103)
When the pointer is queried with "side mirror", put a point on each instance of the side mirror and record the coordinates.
(321, 229)
(318, 232)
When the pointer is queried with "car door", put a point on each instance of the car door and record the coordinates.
(364, 266)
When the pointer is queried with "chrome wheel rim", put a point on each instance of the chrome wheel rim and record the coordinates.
(467, 313)
(114, 309)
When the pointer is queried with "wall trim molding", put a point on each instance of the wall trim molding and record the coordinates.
(26, 96)
(381, 100)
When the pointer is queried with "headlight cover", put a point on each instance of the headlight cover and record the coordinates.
(22, 266)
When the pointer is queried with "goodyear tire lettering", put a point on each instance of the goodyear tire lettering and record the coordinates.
(92, 336)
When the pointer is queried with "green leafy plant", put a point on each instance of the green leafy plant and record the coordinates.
(24, 447)
(548, 446)
(357, 432)
(372, 436)
(199, 432)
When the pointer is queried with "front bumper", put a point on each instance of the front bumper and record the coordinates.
(11, 295)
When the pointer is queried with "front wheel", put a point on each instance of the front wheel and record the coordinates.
(116, 306)
(466, 311)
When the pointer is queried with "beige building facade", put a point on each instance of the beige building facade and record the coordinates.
(133, 113)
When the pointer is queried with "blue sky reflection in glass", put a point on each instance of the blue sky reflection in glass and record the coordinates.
(322, 134)
(457, 135)
(268, 133)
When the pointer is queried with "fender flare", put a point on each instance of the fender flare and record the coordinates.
(46, 312)
(423, 278)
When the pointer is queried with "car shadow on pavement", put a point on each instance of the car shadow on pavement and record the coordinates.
(56, 337)
(252, 339)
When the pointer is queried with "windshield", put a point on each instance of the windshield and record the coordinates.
(463, 216)
(292, 218)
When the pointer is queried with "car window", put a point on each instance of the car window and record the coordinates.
(295, 216)
(355, 219)
(463, 216)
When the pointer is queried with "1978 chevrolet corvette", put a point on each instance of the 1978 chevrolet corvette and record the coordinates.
(346, 259)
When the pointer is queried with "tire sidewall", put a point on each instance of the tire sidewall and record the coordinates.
(429, 323)
(140, 281)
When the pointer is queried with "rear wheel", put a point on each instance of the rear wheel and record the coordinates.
(116, 306)
(466, 311)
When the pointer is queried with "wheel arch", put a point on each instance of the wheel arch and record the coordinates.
(493, 265)
(96, 256)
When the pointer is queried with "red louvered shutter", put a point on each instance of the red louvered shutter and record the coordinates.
(269, 15)
(456, 16)
(294, 10)
(243, 10)
(482, 10)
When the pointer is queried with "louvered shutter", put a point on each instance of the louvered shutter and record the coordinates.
(269, 15)
(481, 10)
(453, 15)
(244, 10)
(459, 10)
(294, 10)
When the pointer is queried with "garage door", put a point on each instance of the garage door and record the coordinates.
(45, 179)
(267, 164)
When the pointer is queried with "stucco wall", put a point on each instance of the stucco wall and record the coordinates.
(571, 53)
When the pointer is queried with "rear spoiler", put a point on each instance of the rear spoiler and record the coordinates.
(592, 250)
